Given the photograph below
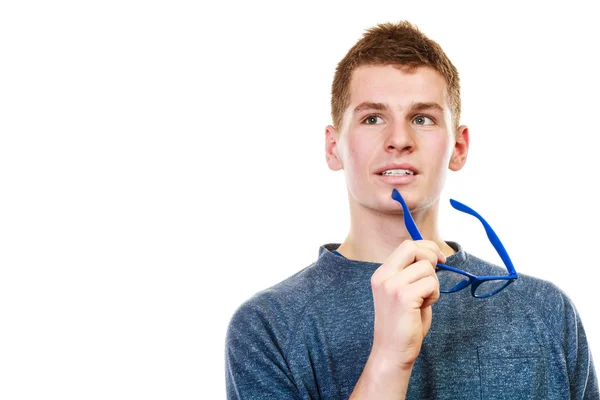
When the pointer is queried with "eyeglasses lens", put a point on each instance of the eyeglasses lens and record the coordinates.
(487, 288)
(451, 281)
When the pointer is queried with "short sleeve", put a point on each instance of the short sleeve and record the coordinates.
(256, 367)
(582, 375)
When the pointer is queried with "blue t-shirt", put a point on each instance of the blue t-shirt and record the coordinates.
(309, 337)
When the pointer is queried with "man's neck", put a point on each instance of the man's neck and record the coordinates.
(374, 235)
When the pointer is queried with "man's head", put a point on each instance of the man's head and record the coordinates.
(396, 106)
(401, 45)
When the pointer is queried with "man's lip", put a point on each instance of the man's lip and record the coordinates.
(397, 166)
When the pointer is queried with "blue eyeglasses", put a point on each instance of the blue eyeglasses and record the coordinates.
(453, 279)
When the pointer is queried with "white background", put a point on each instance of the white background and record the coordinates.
(162, 161)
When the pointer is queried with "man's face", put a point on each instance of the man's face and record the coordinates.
(397, 133)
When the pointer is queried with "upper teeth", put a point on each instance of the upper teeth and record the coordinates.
(397, 172)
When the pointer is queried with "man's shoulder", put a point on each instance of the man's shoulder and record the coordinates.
(544, 298)
(533, 295)
(286, 301)
(528, 286)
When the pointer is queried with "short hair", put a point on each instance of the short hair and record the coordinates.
(399, 44)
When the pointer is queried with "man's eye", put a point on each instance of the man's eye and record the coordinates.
(422, 120)
(373, 120)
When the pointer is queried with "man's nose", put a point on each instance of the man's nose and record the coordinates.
(400, 137)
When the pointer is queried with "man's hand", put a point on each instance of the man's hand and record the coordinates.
(404, 288)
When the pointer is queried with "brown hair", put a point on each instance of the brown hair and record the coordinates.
(400, 44)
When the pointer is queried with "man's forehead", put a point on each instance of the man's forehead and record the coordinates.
(382, 84)
(369, 88)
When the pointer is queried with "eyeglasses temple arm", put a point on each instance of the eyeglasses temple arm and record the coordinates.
(411, 227)
(494, 239)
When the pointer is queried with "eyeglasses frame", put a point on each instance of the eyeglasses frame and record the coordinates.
(473, 280)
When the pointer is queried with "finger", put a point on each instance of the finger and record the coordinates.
(414, 272)
(425, 248)
(429, 290)
(404, 255)
(426, 317)
(433, 246)
(420, 294)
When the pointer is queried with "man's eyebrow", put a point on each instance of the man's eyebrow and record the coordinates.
(427, 106)
(367, 105)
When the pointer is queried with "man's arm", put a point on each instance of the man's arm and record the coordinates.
(255, 365)
(582, 375)
(404, 288)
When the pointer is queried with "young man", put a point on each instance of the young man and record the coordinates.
(366, 320)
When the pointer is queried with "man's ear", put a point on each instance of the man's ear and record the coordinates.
(331, 149)
(461, 149)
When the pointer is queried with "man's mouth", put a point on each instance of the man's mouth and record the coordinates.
(397, 172)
